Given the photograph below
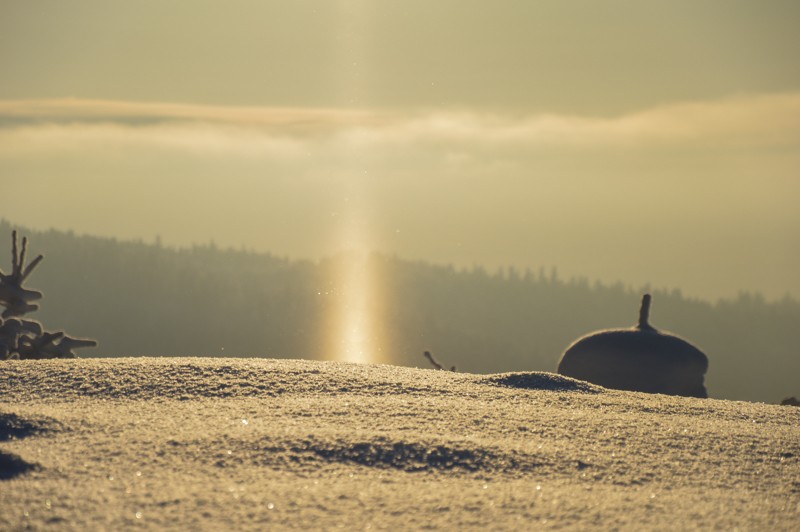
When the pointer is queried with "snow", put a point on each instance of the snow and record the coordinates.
(212, 443)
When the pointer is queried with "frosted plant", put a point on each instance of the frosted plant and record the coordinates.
(21, 338)
(13, 296)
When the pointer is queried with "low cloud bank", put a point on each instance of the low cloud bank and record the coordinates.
(755, 119)
(698, 195)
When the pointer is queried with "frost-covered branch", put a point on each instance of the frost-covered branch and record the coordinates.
(21, 338)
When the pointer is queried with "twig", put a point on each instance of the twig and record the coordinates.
(435, 362)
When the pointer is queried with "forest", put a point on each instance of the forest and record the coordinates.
(139, 298)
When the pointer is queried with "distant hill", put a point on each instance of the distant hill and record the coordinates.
(137, 298)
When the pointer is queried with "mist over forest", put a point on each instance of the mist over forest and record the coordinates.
(140, 298)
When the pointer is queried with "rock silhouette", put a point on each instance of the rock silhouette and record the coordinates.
(790, 401)
(640, 359)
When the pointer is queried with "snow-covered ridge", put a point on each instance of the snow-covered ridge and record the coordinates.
(288, 444)
(189, 378)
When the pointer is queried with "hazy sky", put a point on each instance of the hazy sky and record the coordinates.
(620, 140)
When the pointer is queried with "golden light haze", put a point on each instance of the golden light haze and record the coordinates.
(619, 140)
(574, 57)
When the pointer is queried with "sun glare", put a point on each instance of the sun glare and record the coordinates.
(352, 332)
(352, 329)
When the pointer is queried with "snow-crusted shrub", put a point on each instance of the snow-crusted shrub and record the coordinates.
(21, 338)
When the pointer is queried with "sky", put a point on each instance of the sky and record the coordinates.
(634, 141)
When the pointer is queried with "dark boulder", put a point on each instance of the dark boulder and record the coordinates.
(640, 359)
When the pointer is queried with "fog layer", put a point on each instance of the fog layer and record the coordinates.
(700, 195)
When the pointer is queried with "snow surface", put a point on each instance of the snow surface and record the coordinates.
(210, 443)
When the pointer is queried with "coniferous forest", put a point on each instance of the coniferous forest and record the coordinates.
(140, 298)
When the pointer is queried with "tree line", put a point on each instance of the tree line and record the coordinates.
(140, 298)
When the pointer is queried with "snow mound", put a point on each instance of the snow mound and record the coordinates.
(542, 381)
(253, 444)
(207, 378)
(199, 378)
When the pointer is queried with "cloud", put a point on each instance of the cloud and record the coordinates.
(617, 193)
(70, 124)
